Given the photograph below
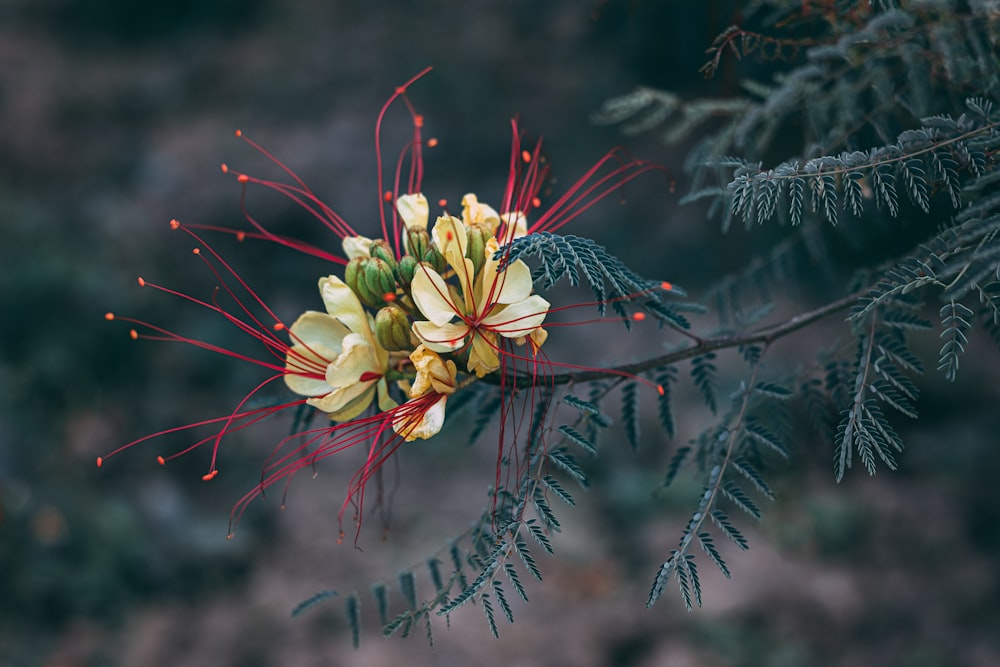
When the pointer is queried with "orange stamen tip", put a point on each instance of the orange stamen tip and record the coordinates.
(196, 251)
(240, 236)
(536, 202)
(418, 121)
(442, 202)
(387, 196)
(175, 224)
(100, 461)
(109, 316)
(229, 536)
(389, 297)
(667, 286)
(526, 156)
(400, 90)
(449, 236)
(210, 476)
(142, 283)
(133, 334)
(239, 133)
(659, 389)
(638, 317)
(242, 178)
(432, 142)
(162, 461)
(225, 168)
(278, 326)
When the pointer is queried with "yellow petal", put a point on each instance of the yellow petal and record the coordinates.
(356, 359)
(305, 369)
(474, 212)
(430, 293)
(452, 239)
(313, 328)
(518, 319)
(343, 304)
(414, 211)
(483, 357)
(357, 246)
(338, 411)
(428, 424)
(441, 338)
(515, 226)
(511, 285)
(433, 373)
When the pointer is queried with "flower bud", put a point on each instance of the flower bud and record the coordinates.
(392, 329)
(434, 257)
(379, 279)
(416, 241)
(478, 234)
(405, 269)
(381, 249)
(354, 277)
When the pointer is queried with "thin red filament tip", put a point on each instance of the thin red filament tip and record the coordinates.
(418, 120)
(225, 168)
(162, 461)
(638, 317)
(279, 326)
(196, 251)
(387, 195)
(241, 236)
(389, 297)
(210, 476)
(175, 224)
(432, 142)
(526, 156)
(100, 461)
(536, 202)
(109, 316)
(243, 178)
(133, 334)
(667, 286)
(142, 283)
(659, 388)
(239, 133)
(442, 202)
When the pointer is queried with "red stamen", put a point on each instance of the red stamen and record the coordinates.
(142, 283)
(387, 195)
(174, 224)
(133, 334)
(432, 142)
(109, 316)
(418, 120)
(100, 461)
(667, 286)
(389, 297)
(442, 202)
(638, 317)
(210, 476)
(241, 236)
(243, 178)
(161, 460)
(369, 376)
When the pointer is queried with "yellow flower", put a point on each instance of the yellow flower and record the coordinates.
(492, 303)
(335, 358)
(357, 246)
(423, 415)
(414, 210)
(473, 212)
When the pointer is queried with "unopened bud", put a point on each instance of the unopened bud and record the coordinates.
(416, 241)
(478, 235)
(353, 275)
(435, 259)
(379, 279)
(392, 329)
(381, 249)
(405, 270)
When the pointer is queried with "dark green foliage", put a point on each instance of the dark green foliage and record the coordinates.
(630, 414)
(703, 373)
(311, 602)
(352, 613)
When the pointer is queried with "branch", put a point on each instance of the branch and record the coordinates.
(765, 335)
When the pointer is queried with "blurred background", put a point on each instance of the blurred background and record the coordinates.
(114, 118)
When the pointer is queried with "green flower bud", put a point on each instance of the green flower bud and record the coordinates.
(405, 269)
(379, 279)
(392, 329)
(434, 257)
(416, 241)
(354, 277)
(381, 249)
(478, 234)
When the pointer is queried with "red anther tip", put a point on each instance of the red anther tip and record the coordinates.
(109, 316)
(100, 461)
(240, 236)
(536, 202)
(638, 317)
(442, 202)
(667, 286)
(432, 142)
(278, 326)
(133, 334)
(162, 461)
(239, 133)
(526, 156)
(389, 297)
(225, 168)
(387, 196)
(418, 120)
(175, 223)
(210, 476)
(142, 283)
(659, 388)
(229, 536)
(449, 236)
(196, 251)
(242, 178)
(400, 90)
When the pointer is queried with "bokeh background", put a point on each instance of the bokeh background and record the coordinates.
(114, 117)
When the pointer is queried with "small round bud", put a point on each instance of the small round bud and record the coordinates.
(392, 329)
(478, 234)
(381, 249)
(379, 279)
(416, 241)
(405, 270)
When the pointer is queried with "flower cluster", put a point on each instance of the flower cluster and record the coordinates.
(420, 312)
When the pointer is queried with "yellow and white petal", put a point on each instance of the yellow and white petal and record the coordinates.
(430, 293)
(518, 319)
(441, 337)
(414, 210)
(338, 411)
(357, 246)
(511, 285)
(343, 304)
(434, 374)
(474, 212)
(483, 357)
(356, 359)
(451, 237)
(305, 369)
(515, 226)
(385, 402)
(429, 423)
(313, 328)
